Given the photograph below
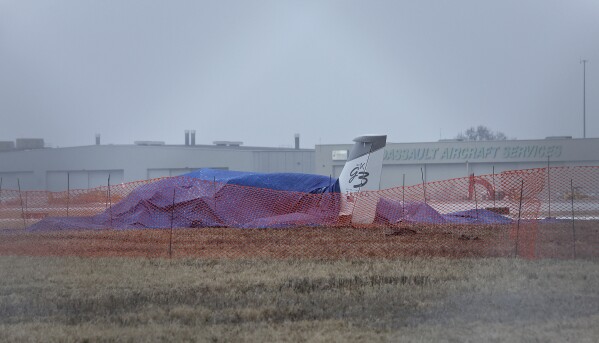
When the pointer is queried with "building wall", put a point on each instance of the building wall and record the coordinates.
(447, 160)
(301, 161)
(89, 166)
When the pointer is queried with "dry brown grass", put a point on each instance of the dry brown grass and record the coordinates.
(416, 299)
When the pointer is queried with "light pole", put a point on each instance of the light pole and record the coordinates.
(584, 100)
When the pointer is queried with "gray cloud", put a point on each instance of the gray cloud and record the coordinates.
(260, 71)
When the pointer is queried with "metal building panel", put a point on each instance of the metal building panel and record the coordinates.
(445, 171)
(78, 179)
(98, 178)
(158, 172)
(10, 180)
(181, 171)
(392, 175)
(57, 181)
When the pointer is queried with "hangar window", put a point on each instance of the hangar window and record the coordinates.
(339, 155)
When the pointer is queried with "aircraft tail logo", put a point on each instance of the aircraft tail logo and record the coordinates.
(362, 172)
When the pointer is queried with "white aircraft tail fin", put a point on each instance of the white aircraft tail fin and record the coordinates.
(362, 172)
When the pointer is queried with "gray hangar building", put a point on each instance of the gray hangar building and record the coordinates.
(448, 159)
(90, 166)
(39, 168)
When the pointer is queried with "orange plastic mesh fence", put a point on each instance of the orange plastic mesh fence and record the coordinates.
(535, 213)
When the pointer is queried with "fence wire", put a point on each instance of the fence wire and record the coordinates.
(534, 213)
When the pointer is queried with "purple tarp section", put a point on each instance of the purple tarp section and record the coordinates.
(201, 203)
(392, 212)
(214, 198)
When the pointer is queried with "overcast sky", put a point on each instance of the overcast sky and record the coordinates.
(260, 71)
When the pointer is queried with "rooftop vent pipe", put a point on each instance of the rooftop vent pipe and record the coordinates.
(297, 145)
(186, 137)
(193, 137)
(558, 137)
(97, 139)
(228, 143)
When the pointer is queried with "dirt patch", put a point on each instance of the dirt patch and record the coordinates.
(527, 240)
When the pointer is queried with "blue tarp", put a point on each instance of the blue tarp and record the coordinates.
(293, 182)
(212, 198)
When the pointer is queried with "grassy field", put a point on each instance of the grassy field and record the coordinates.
(214, 300)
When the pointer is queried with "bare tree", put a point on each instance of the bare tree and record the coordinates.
(481, 133)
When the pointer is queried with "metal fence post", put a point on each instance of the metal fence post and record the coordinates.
(170, 240)
(68, 191)
(475, 199)
(494, 189)
(109, 201)
(548, 188)
(423, 184)
(573, 227)
(403, 195)
(519, 216)
(22, 205)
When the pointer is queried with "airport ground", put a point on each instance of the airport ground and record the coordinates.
(75, 299)
(400, 283)
(559, 239)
